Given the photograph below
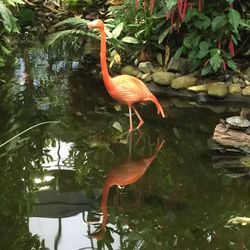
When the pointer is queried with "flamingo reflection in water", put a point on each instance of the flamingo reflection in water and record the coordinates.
(123, 175)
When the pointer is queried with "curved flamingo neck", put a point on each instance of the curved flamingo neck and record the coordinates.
(105, 194)
(105, 74)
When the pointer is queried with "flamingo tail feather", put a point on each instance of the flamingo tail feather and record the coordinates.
(158, 105)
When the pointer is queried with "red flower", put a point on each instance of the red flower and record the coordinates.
(151, 5)
(199, 5)
(172, 22)
(231, 47)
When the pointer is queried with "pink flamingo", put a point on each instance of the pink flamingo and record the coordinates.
(123, 175)
(125, 89)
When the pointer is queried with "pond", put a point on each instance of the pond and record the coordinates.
(83, 183)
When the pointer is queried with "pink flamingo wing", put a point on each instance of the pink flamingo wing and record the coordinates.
(129, 90)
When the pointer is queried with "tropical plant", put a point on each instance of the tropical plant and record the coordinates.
(8, 26)
(209, 32)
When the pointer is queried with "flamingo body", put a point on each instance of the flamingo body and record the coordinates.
(125, 89)
(129, 90)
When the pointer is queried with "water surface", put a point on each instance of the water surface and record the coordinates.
(52, 177)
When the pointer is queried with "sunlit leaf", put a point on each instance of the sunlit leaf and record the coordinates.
(129, 39)
(118, 29)
(8, 20)
(215, 62)
(234, 18)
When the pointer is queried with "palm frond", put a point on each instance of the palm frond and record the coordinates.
(62, 35)
(73, 21)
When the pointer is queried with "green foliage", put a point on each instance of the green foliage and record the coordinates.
(72, 3)
(8, 26)
(26, 17)
(207, 35)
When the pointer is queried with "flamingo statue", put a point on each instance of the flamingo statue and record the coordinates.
(125, 89)
(123, 175)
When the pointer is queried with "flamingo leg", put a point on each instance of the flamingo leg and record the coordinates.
(139, 117)
(130, 119)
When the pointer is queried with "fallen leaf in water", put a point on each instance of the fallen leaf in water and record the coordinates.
(118, 107)
(117, 126)
(239, 220)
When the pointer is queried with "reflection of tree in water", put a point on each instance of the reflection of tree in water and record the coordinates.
(22, 105)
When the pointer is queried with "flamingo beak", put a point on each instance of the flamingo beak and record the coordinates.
(90, 25)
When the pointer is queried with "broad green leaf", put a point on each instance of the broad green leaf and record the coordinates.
(218, 22)
(188, 41)
(129, 39)
(178, 52)
(231, 64)
(191, 14)
(202, 53)
(206, 70)
(163, 35)
(118, 29)
(234, 18)
(215, 62)
(8, 20)
(235, 41)
(108, 33)
(214, 52)
(204, 45)
(159, 58)
(203, 22)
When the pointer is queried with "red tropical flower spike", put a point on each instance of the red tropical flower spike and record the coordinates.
(231, 47)
(137, 4)
(151, 5)
(199, 5)
(172, 22)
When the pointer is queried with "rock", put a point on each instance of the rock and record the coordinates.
(163, 78)
(146, 77)
(139, 75)
(178, 65)
(247, 82)
(231, 138)
(234, 88)
(157, 69)
(245, 77)
(199, 88)
(129, 70)
(183, 82)
(246, 91)
(145, 67)
(217, 89)
(235, 79)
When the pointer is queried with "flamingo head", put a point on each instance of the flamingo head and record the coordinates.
(98, 23)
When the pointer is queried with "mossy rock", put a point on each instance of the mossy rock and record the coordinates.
(183, 82)
(217, 89)
(163, 78)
